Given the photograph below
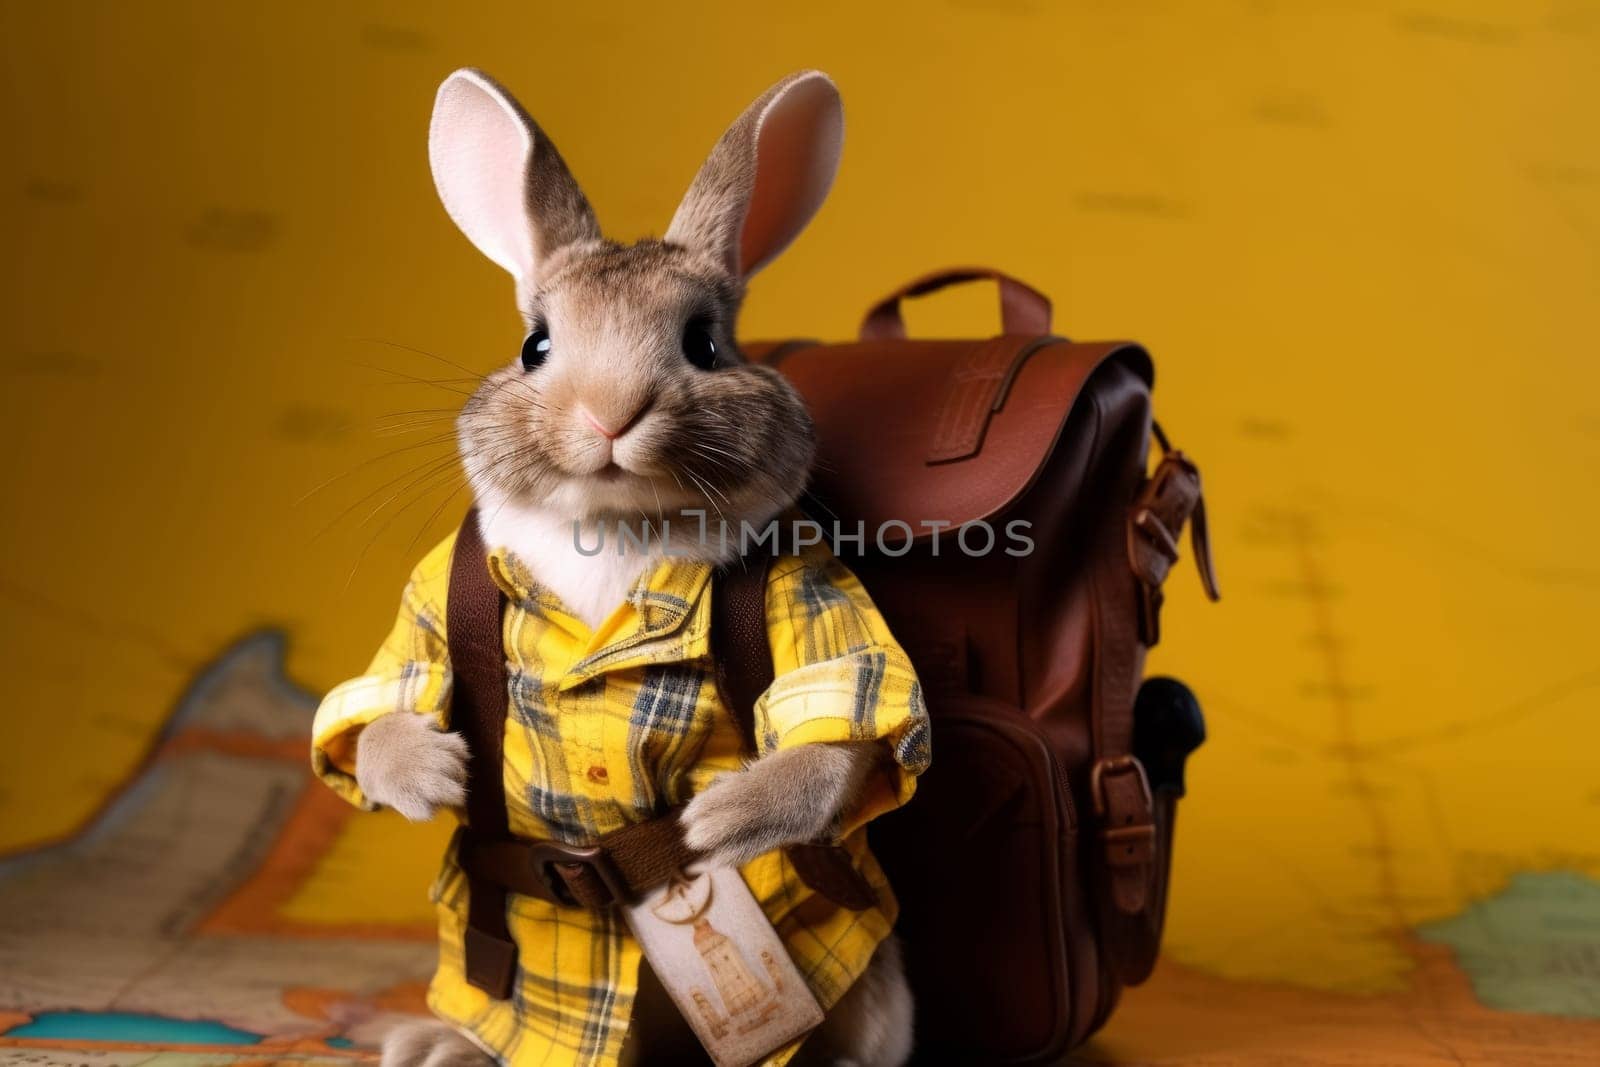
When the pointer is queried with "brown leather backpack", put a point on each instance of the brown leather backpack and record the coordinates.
(1032, 865)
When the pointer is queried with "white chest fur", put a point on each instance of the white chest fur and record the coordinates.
(592, 586)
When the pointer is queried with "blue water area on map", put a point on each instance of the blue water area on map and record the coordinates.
(131, 1026)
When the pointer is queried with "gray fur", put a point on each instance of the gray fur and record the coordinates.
(787, 798)
(426, 1043)
(734, 443)
(405, 762)
(872, 1024)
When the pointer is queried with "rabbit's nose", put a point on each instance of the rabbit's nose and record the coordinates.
(605, 431)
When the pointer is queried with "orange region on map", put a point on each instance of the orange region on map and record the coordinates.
(1184, 1016)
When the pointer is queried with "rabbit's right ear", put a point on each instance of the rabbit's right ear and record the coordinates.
(501, 179)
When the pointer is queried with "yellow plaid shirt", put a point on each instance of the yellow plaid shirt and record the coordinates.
(616, 725)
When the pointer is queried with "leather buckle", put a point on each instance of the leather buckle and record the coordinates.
(1127, 829)
(1119, 766)
(1150, 568)
(560, 867)
(1146, 522)
(1168, 500)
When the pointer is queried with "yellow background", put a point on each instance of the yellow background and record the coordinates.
(1361, 240)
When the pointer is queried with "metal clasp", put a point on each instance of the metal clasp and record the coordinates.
(556, 865)
(1116, 766)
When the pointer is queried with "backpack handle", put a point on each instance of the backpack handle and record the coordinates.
(1023, 309)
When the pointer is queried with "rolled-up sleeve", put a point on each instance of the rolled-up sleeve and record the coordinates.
(410, 673)
(839, 675)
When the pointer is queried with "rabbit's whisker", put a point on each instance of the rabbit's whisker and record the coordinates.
(429, 467)
(390, 454)
(378, 533)
(421, 352)
(410, 379)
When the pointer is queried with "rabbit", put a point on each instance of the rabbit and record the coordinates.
(629, 369)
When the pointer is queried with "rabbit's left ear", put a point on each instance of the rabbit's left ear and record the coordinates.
(501, 179)
(766, 177)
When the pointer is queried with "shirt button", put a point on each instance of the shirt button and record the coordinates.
(598, 773)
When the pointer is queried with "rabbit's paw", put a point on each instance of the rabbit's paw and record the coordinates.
(405, 762)
(431, 1044)
(787, 798)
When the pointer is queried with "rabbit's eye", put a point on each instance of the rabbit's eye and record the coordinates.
(535, 347)
(698, 347)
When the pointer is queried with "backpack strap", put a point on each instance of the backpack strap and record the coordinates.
(742, 653)
(1136, 845)
(474, 607)
(740, 649)
(1169, 498)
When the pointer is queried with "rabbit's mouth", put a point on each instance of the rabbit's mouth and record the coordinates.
(622, 481)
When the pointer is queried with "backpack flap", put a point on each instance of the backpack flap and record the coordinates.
(919, 436)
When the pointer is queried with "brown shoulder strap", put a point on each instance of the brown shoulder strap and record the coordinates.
(739, 645)
(474, 609)
(742, 653)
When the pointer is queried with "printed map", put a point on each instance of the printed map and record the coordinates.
(162, 924)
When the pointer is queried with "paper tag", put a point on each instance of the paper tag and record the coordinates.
(723, 965)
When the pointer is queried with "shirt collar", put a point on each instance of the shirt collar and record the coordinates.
(667, 615)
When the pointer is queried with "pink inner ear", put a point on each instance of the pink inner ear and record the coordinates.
(478, 146)
(797, 154)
